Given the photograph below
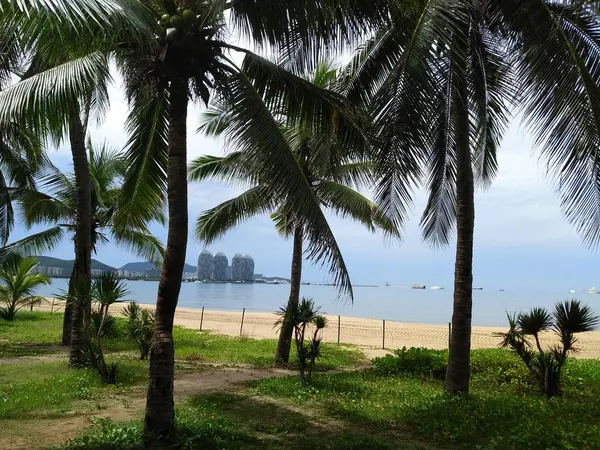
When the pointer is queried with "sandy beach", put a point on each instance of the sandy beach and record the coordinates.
(367, 333)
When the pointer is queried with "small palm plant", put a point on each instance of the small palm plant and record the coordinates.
(106, 290)
(18, 282)
(300, 316)
(567, 319)
(140, 326)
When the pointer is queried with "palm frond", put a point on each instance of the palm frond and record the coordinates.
(38, 243)
(145, 183)
(230, 168)
(42, 100)
(215, 222)
(556, 67)
(346, 202)
(140, 242)
(259, 136)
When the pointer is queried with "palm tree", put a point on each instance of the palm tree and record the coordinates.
(18, 281)
(164, 67)
(442, 82)
(57, 204)
(328, 167)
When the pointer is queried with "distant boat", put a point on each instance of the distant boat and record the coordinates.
(501, 290)
(418, 286)
(478, 289)
(387, 284)
(593, 290)
(436, 288)
(571, 291)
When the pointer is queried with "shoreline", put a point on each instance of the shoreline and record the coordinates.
(366, 333)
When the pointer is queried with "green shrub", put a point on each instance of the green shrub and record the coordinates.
(414, 360)
(140, 327)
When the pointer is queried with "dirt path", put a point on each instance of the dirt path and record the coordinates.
(40, 433)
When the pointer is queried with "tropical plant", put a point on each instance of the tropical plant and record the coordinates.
(302, 315)
(140, 327)
(568, 319)
(163, 68)
(442, 82)
(18, 281)
(331, 168)
(106, 291)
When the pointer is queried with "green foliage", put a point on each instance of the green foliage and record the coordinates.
(567, 319)
(413, 409)
(31, 333)
(300, 316)
(17, 284)
(140, 327)
(110, 329)
(416, 361)
(50, 388)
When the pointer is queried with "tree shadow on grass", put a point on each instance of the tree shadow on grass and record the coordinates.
(280, 425)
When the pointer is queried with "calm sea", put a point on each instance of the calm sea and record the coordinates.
(390, 303)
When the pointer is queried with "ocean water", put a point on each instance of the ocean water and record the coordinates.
(390, 303)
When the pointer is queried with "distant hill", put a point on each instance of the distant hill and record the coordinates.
(67, 265)
(143, 266)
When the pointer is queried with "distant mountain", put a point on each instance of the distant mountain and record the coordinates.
(142, 266)
(67, 265)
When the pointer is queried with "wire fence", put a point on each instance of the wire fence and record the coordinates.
(255, 323)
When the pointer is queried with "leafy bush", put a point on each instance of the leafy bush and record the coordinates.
(110, 328)
(140, 327)
(545, 365)
(414, 360)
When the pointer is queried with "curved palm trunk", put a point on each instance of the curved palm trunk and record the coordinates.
(284, 344)
(160, 411)
(458, 372)
(83, 235)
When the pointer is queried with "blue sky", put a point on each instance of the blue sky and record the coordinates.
(521, 237)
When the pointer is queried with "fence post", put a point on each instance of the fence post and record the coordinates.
(52, 308)
(201, 318)
(383, 343)
(339, 329)
(242, 324)
(449, 334)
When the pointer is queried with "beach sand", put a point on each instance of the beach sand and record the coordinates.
(366, 333)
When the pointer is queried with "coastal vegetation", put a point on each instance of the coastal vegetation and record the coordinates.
(423, 102)
(394, 403)
(334, 165)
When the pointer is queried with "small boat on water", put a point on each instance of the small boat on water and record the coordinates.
(418, 286)
(571, 291)
(593, 290)
(436, 288)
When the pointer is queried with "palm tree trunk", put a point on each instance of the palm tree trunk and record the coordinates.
(284, 344)
(458, 372)
(68, 317)
(83, 235)
(160, 411)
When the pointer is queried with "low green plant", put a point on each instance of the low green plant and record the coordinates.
(414, 360)
(17, 284)
(106, 290)
(308, 349)
(140, 327)
(545, 365)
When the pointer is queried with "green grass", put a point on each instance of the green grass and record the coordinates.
(49, 389)
(35, 333)
(204, 346)
(32, 333)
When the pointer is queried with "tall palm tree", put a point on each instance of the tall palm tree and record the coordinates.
(327, 166)
(17, 283)
(65, 44)
(57, 204)
(163, 68)
(442, 82)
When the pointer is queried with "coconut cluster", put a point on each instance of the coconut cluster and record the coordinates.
(185, 18)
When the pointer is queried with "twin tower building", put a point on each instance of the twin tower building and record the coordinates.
(217, 268)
